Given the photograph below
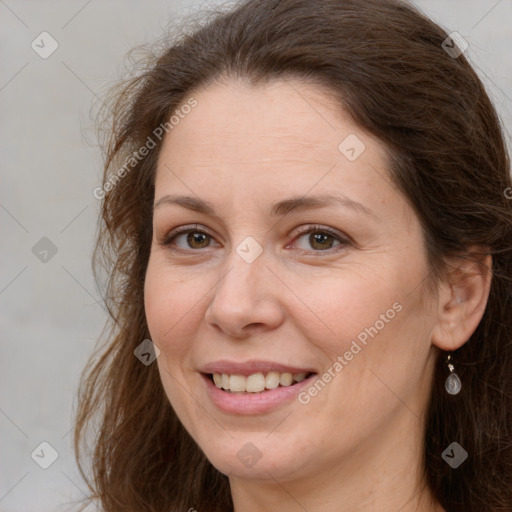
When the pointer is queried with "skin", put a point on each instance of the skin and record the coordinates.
(358, 442)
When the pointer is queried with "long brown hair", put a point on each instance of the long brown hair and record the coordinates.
(386, 63)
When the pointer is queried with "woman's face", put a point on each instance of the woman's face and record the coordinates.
(268, 277)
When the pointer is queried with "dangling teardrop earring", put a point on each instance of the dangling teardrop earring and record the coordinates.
(453, 384)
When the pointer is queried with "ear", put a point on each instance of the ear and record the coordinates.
(462, 298)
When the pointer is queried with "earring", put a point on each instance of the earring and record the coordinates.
(453, 384)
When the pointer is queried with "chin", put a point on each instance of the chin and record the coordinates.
(257, 456)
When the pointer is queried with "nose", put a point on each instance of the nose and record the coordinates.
(246, 299)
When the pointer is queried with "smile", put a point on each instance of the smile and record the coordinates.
(246, 402)
(256, 382)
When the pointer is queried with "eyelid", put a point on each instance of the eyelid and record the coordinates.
(309, 228)
(343, 239)
(312, 228)
(181, 230)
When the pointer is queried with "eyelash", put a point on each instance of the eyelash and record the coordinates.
(344, 241)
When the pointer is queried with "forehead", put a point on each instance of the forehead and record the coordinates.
(284, 135)
(286, 118)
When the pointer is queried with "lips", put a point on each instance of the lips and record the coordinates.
(253, 387)
(242, 403)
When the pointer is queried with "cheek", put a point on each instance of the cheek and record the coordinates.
(156, 303)
(169, 305)
(342, 310)
(169, 308)
(381, 370)
(373, 333)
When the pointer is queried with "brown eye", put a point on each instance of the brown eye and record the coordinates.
(187, 239)
(196, 237)
(320, 239)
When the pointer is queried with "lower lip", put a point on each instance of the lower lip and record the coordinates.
(253, 403)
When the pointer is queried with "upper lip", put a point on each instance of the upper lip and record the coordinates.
(249, 367)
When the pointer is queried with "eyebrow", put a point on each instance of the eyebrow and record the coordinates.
(298, 203)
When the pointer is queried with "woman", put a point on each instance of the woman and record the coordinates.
(306, 221)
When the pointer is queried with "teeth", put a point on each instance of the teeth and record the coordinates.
(285, 379)
(236, 383)
(257, 382)
(272, 380)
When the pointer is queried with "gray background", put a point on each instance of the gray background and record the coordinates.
(51, 314)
